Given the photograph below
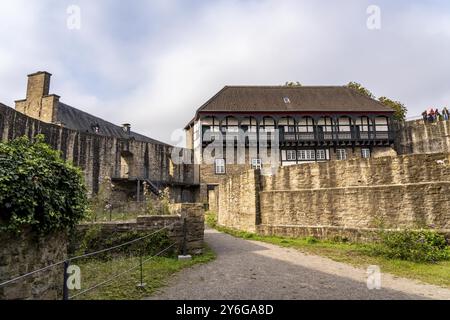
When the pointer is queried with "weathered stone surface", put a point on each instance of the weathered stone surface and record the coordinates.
(408, 191)
(195, 224)
(420, 137)
(100, 157)
(239, 201)
(26, 253)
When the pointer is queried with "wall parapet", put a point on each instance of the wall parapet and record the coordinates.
(422, 137)
(408, 191)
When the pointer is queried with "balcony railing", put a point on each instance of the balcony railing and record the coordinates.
(250, 137)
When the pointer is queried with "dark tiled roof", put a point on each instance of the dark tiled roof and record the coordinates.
(76, 119)
(302, 99)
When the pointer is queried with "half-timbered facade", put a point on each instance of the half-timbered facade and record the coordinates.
(309, 124)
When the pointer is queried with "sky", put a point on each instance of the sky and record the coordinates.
(154, 63)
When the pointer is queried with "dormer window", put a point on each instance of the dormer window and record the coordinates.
(96, 128)
(287, 100)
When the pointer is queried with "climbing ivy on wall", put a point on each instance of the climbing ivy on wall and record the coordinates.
(38, 189)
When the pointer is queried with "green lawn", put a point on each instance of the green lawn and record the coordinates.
(354, 254)
(156, 272)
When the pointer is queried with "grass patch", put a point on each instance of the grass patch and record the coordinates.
(356, 254)
(156, 272)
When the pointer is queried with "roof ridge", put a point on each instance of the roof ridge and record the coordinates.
(284, 86)
(108, 123)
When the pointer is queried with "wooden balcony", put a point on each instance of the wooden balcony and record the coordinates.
(317, 137)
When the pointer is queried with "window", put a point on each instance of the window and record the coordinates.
(364, 124)
(341, 154)
(321, 155)
(290, 155)
(220, 166)
(256, 164)
(306, 155)
(233, 129)
(365, 153)
(306, 125)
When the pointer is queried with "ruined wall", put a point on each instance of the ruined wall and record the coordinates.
(195, 224)
(333, 197)
(419, 137)
(99, 156)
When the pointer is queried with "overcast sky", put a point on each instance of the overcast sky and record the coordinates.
(153, 63)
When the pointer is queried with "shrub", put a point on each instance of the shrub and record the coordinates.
(38, 189)
(211, 219)
(311, 240)
(418, 246)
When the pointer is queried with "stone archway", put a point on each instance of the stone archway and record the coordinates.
(126, 165)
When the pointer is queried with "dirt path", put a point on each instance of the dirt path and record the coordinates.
(255, 270)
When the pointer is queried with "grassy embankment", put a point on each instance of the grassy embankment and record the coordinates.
(156, 273)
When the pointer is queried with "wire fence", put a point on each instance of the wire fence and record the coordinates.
(67, 262)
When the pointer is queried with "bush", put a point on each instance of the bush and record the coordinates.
(211, 219)
(38, 189)
(417, 246)
(311, 240)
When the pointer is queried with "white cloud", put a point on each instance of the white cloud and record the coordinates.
(157, 74)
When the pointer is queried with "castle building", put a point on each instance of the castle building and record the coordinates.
(239, 128)
(281, 126)
(125, 163)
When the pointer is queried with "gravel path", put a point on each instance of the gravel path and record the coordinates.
(255, 270)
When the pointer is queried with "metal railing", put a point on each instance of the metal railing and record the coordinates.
(67, 262)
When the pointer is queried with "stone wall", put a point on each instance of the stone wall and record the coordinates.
(360, 172)
(419, 137)
(239, 201)
(26, 253)
(337, 197)
(100, 156)
(195, 221)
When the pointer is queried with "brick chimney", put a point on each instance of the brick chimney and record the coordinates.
(39, 104)
(126, 127)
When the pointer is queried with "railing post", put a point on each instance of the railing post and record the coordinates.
(141, 285)
(184, 237)
(65, 289)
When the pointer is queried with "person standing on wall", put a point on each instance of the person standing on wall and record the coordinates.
(425, 116)
(445, 114)
(430, 113)
(437, 115)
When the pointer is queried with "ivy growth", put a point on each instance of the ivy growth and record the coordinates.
(38, 189)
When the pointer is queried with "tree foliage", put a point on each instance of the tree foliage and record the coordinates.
(399, 108)
(358, 87)
(38, 189)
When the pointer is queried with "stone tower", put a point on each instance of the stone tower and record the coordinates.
(39, 104)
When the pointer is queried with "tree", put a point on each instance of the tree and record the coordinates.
(399, 108)
(358, 87)
(292, 84)
(38, 189)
